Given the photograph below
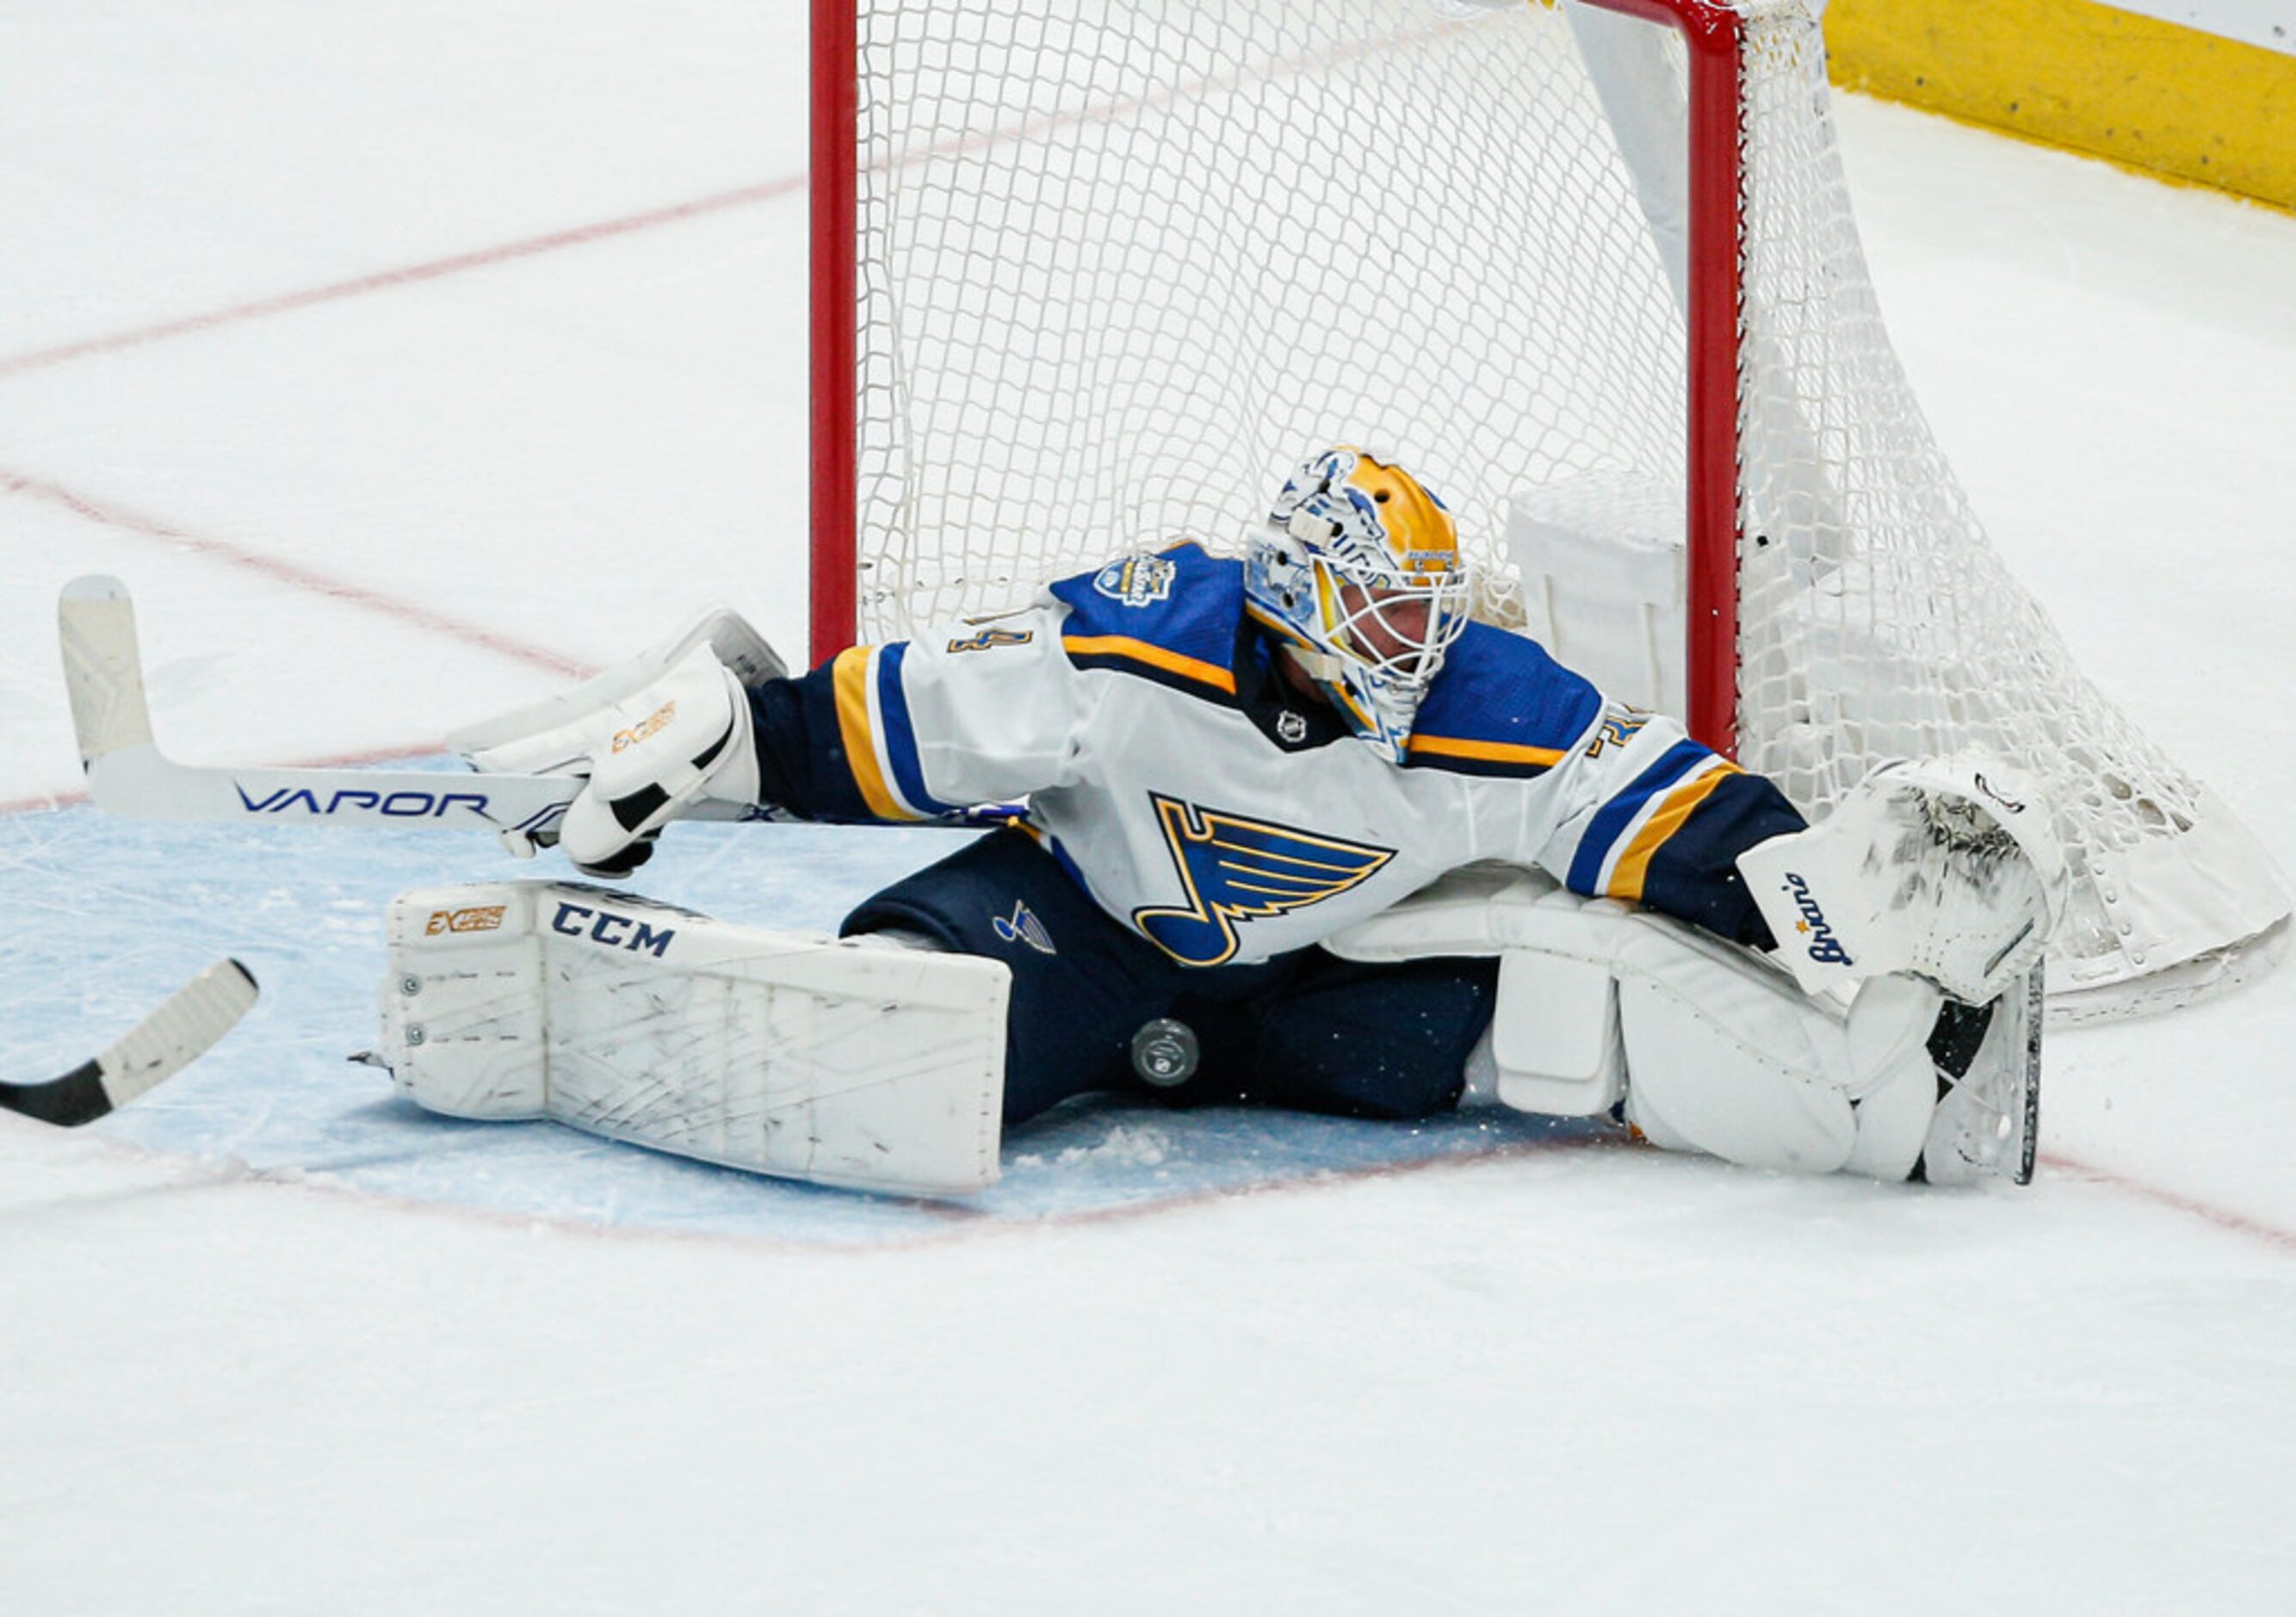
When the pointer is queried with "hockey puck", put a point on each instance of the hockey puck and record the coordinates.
(1165, 1053)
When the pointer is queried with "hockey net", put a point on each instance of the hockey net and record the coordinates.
(1111, 268)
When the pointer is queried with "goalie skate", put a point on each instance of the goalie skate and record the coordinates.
(1988, 1110)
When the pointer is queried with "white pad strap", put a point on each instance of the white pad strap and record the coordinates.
(1951, 869)
(870, 1067)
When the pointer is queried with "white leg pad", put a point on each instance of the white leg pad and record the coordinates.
(1893, 1081)
(782, 1052)
(1713, 1049)
(1552, 1045)
(1728, 1057)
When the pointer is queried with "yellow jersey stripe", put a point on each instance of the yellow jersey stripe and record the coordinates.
(1490, 751)
(1155, 656)
(851, 676)
(1634, 865)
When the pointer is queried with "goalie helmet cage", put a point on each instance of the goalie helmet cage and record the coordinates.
(1093, 275)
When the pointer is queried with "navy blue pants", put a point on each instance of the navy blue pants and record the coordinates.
(1305, 1030)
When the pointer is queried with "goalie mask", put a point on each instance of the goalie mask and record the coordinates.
(1358, 570)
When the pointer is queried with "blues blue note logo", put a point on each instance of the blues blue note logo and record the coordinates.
(1136, 580)
(1235, 870)
(1023, 927)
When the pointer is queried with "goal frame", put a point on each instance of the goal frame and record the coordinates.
(2173, 899)
(1714, 37)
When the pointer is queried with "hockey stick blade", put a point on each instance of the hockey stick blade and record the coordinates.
(155, 1049)
(129, 774)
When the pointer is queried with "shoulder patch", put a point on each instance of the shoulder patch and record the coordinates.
(1171, 617)
(1138, 581)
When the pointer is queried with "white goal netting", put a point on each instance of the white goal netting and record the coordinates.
(1122, 264)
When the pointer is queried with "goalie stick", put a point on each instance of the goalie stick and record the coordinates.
(155, 1049)
(127, 773)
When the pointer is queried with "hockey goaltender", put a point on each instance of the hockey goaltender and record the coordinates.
(1291, 831)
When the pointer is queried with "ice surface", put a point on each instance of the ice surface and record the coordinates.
(276, 1342)
(282, 1100)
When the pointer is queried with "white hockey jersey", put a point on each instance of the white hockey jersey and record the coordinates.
(1227, 817)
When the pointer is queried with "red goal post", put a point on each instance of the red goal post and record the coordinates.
(1087, 280)
(833, 270)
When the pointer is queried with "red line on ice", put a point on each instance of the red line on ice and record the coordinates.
(958, 1222)
(964, 1223)
(410, 275)
(2240, 1224)
(121, 519)
(1035, 127)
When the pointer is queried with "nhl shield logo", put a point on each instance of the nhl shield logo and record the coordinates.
(1136, 580)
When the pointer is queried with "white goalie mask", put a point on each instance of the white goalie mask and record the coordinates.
(1358, 570)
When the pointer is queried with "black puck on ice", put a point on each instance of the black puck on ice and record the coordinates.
(1165, 1053)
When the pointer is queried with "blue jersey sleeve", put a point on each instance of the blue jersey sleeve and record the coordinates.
(1661, 822)
(1170, 617)
(1693, 872)
(1502, 708)
(1656, 818)
(821, 757)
